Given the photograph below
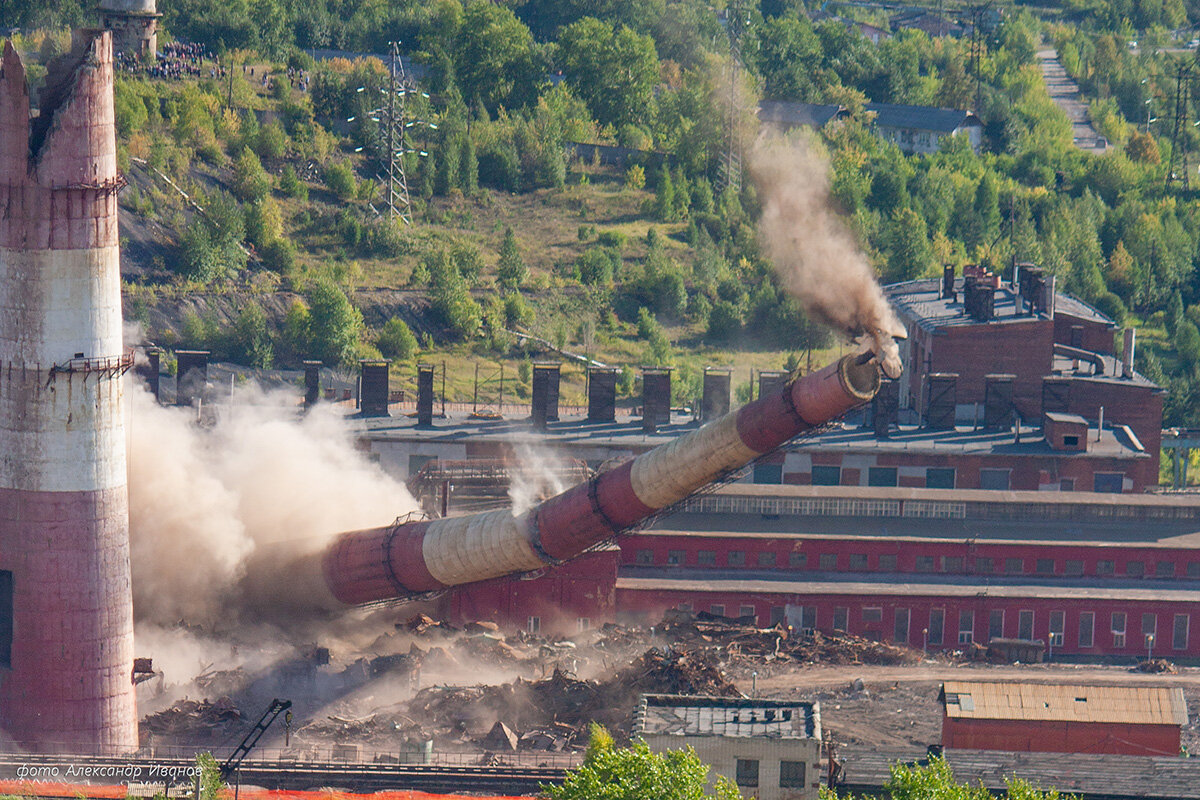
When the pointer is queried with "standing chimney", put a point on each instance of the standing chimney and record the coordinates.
(884, 408)
(375, 387)
(1127, 352)
(153, 377)
(1048, 299)
(544, 397)
(943, 400)
(312, 383)
(715, 402)
(1056, 395)
(998, 408)
(771, 381)
(948, 282)
(424, 395)
(656, 398)
(191, 376)
(602, 394)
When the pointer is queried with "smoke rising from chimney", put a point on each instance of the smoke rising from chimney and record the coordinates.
(203, 502)
(814, 252)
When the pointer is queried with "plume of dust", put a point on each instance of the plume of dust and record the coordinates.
(203, 502)
(539, 474)
(813, 250)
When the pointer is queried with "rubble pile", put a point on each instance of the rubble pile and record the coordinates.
(198, 721)
(1157, 666)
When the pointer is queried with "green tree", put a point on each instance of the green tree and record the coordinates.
(396, 340)
(291, 185)
(909, 253)
(664, 196)
(494, 57)
(636, 773)
(252, 337)
(935, 781)
(614, 70)
(250, 181)
(334, 323)
(511, 270)
(339, 177)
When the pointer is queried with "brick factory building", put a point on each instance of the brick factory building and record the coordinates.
(1062, 718)
(980, 351)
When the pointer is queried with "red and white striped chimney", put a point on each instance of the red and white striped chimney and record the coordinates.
(66, 608)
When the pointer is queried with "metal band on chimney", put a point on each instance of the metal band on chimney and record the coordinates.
(594, 497)
(389, 537)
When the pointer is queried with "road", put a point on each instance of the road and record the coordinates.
(1065, 93)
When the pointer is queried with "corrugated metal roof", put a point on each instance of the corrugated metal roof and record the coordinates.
(926, 118)
(1144, 705)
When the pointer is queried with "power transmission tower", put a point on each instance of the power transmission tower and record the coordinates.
(729, 173)
(1177, 170)
(398, 204)
(977, 43)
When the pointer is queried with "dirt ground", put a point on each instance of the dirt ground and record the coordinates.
(897, 705)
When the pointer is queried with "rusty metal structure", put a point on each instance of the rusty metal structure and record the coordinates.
(409, 559)
(66, 608)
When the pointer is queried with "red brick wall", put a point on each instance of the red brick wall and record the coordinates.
(1136, 405)
(1097, 336)
(1025, 736)
(1024, 349)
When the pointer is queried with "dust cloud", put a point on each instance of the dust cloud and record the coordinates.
(814, 251)
(538, 473)
(203, 501)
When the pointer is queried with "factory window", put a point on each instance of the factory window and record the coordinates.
(841, 615)
(996, 623)
(1025, 625)
(939, 478)
(1087, 628)
(1118, 629)
(858, 561)
(1044, 566)
(994, 479)
(1073, 567)
(937, 626)
(707, 558)
(748, 611)
(415, 463)
(583, 624)
(717, 609)
(1014, 566)
(737, 558)
(1066, 485)
(1179, 634)
(826, 476)
(778, 615)
(966, 626)
(1164, 569)
(791, 774)
(828, 561)
(985, 565)
(952, 563)
(808, 617)
(798, 560)
(1058, 622)
(1149, 625)
(534, 625)
(675, 557)
(924, 563)
(873, 614)
(1106, 567)
(768, 473)
(644, 557)
(1111, 482)
(1135, 569)
(1193, 569)
(887, 563)
(6, 618)
(1070, 441)
(900, 626)
(881, 476)
(747, 772)
(766, 559)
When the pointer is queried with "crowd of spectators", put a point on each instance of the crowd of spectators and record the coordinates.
(175, 60)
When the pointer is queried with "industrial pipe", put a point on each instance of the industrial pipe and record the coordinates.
(409, 559)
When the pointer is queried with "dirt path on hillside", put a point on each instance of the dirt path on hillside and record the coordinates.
(1065, 94)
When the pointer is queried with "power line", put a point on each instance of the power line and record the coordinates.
(729, 173)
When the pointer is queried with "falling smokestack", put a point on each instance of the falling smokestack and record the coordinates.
(191, 376)
(544, 397)
(375, 386)
(67, 648)
(656, 398)
(408, 559)
(312, 383)
(602, 394)
(1127, 352)
(715, 400)
(425, 395)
